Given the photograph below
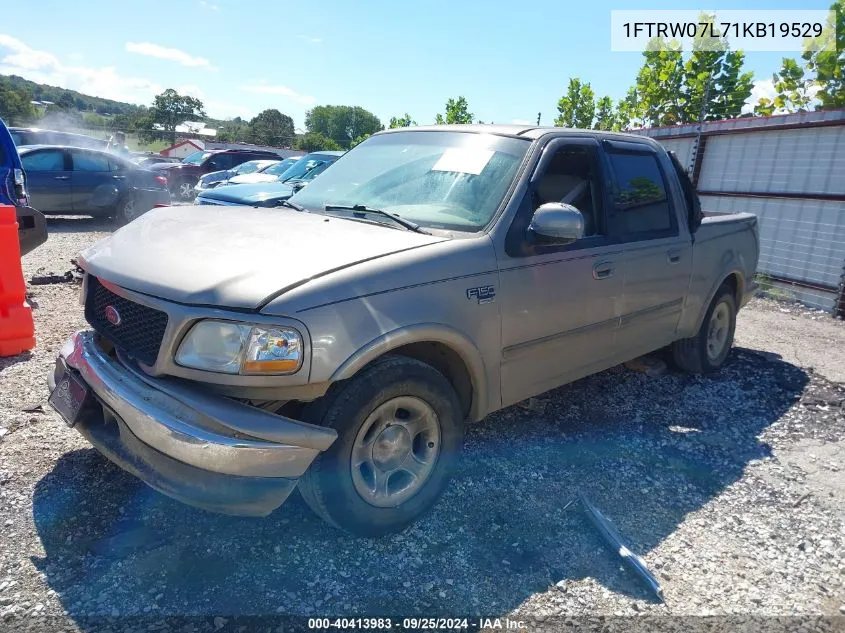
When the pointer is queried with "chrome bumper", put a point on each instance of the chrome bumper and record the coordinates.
(200, 431)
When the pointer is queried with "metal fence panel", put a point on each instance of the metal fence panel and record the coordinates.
(798, 161)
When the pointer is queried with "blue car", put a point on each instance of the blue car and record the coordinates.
(32, 229)
(270, 194)
(80, 181)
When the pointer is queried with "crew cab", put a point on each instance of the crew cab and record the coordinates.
(431, 276)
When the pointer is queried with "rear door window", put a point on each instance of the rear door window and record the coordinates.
(641, 208)
(85, 161)
(48, 160)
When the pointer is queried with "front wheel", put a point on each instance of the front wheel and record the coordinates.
(400, 432)
(707, 351)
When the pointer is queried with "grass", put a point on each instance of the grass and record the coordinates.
(768, 289)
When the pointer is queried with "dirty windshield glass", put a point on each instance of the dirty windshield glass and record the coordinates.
(196, 158)
(447, 180)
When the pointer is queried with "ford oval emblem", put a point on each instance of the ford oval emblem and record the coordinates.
(112, 315)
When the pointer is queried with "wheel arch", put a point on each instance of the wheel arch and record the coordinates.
(735, 279)
(443, 347)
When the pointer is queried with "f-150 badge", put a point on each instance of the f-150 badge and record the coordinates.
(482, 294)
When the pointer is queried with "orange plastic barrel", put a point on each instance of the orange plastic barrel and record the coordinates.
(17, 330)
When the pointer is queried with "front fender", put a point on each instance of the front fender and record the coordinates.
(425, 333)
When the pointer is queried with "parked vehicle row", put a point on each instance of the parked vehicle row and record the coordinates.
(267, 189)
(217, 178)
(183, 176)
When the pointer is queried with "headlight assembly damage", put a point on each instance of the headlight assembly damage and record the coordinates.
(241, 348)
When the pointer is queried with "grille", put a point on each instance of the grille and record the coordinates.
(141, 329)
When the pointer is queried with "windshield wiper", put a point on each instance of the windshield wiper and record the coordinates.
(360, 210)
(292, 205)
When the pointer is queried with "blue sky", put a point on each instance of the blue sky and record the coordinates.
(510, 60)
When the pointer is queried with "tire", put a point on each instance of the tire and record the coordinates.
(372, 413)
(127, 210)
(706, 352)
(183, 190)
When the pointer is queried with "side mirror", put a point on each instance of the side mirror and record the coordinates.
(557, 222)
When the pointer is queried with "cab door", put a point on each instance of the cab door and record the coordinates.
(95, 187)
(560, 303)
(656, 260)
(48, 179)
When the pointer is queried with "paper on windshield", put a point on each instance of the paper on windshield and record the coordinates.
(465, 160)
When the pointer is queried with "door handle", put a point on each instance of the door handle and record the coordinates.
(673, 257)
(119, 177)
(603, 270)
(61, 177)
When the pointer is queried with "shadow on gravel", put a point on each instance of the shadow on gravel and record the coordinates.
(78, 224)
(647, 451)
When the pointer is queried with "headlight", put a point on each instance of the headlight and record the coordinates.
(232, 348)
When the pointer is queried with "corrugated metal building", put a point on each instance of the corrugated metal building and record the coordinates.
(789, 170)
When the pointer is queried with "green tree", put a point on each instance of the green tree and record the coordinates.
(793, 90)
(315, 142)
(605, 115)
(403, 121)
(457, 112)
(628, 110)
(829, 65)
(233, 131)
(710, 81)
(271, 127)
(15, 106)
(660, 86)
(342, 124)
(169, 110)
(577, 107)
(359, 140)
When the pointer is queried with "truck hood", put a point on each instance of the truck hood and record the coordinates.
(236, 257)
(264, 193)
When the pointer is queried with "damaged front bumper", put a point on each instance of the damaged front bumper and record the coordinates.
(203, 449)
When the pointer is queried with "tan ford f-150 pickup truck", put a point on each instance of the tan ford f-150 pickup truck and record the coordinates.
(341, 341)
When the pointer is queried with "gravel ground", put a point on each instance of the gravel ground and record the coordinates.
(732, 488)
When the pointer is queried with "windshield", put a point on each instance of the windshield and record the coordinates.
(300, 170)
(281, 167)
(447, 180)
(196, 158)
(248, 167)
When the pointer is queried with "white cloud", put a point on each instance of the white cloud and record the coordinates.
(44, 67)
(191, 90)
(225, 110)
(766, 88)
(170, 54)
(209, 5)
(284, 91)
(308, 38)
(761, 88)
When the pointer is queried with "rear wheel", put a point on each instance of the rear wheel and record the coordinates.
(127, 210)
(183, 190)
(400, 432)
(707, 351)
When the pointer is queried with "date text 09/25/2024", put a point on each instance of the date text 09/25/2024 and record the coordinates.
(417, 624)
